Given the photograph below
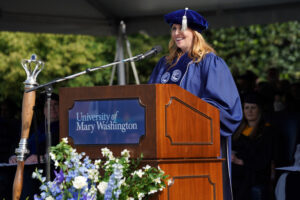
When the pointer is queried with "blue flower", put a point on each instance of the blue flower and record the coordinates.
(117, 193)
(54, 189)
(59, 197)
(108, 195)
(43, 187)
(59, 177)
(71, 175)
(43, 195)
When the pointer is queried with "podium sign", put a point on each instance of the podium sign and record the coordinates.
(107, 122)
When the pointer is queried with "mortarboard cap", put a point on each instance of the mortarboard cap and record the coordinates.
(194, 20)
(252, 97)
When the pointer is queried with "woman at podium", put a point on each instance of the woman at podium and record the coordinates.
(193, 65)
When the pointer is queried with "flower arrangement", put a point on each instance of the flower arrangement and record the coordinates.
(77, 177)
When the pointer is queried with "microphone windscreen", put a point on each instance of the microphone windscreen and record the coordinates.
(158, 48)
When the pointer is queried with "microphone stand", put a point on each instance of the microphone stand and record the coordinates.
(49, 90)
(135, 58)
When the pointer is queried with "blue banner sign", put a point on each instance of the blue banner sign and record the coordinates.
(107, 122)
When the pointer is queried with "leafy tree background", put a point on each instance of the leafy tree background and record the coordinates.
(255, 48)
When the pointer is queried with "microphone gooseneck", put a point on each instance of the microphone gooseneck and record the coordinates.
(155, 50)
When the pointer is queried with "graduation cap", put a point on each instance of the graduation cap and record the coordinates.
(187, 18)
(252, 97)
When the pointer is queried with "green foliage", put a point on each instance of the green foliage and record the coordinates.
(256, 48)
(259, 47)
(63, 55)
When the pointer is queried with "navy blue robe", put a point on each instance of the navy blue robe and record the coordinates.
(211, 81)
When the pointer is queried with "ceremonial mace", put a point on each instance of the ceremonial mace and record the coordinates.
(32, 68)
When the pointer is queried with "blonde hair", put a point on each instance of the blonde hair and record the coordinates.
(199, 49)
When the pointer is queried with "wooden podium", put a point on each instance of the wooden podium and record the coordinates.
(182, 136)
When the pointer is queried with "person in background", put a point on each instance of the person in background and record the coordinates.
(193, 65)
(252, 153)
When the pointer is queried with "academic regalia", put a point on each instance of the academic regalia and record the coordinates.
(210, 80)
(257, 155)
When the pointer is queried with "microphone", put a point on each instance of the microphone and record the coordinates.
(155, 50)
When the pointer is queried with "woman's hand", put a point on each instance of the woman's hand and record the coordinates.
(236, 160)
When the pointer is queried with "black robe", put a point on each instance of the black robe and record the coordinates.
(257, 154)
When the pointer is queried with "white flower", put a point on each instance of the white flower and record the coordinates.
(152, 191)
(65, 140)
(93, 174)
(160, 170)
(125, 153)
(147, 167)
(52, 155)
(139, 173)
(98, 162)
(79, 182)
(122, 181)
(34, 175)
(107, 153)
(170, 182)
(141, 195)
(102, 187)
(157, 180)
(161, 189)
(49, 198)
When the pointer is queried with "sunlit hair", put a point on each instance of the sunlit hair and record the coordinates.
(199, 49)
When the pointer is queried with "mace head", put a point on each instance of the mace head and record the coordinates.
(32, 68)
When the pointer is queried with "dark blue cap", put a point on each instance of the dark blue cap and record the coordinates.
(195, 21)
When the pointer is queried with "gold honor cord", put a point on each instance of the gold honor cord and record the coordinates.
(32, 68)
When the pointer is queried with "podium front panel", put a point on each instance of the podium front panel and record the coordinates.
(193, 180)
(188, 126)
